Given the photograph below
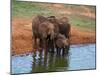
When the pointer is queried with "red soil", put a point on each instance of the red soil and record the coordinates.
(22, 36)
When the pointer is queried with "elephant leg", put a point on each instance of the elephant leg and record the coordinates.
(35, 43)
(52, 46)
(66, 50)
(58, 51)
(47, 46)
(63, 51)
(41, 43)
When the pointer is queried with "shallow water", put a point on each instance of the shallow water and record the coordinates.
(80, 57)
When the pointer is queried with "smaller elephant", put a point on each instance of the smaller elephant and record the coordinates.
(62, 42)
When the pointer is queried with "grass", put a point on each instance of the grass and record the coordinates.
(82, 22)
(29, 9)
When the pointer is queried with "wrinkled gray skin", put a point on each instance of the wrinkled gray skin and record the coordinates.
(61, 42)
(63, 28)
(43, 30)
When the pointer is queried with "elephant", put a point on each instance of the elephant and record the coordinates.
(43, 30)
(63, 27)
(61, 42)
(62, 24)
(46, 30)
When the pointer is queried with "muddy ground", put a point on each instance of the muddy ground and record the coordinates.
(22, 36)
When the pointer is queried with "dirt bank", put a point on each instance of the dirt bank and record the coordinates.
(22, 36)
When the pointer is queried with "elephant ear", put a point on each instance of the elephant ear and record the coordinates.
(63, 20)
(42, 18)
(39, 19)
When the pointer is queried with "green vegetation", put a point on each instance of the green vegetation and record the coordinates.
(29, 9)
(82, 22)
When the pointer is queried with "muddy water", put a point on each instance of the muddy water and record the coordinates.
(80, 57)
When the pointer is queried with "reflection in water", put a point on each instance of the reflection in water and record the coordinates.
(49, 62)
(79, 57)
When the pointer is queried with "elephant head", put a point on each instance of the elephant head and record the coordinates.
(61, 41)
(46, 29)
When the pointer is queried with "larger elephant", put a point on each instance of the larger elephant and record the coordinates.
(63, 27)
(62, 24)
(43, 30)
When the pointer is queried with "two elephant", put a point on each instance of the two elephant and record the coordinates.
(51, 32)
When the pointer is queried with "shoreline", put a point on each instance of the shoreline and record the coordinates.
(26, 52)
(21, 42)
